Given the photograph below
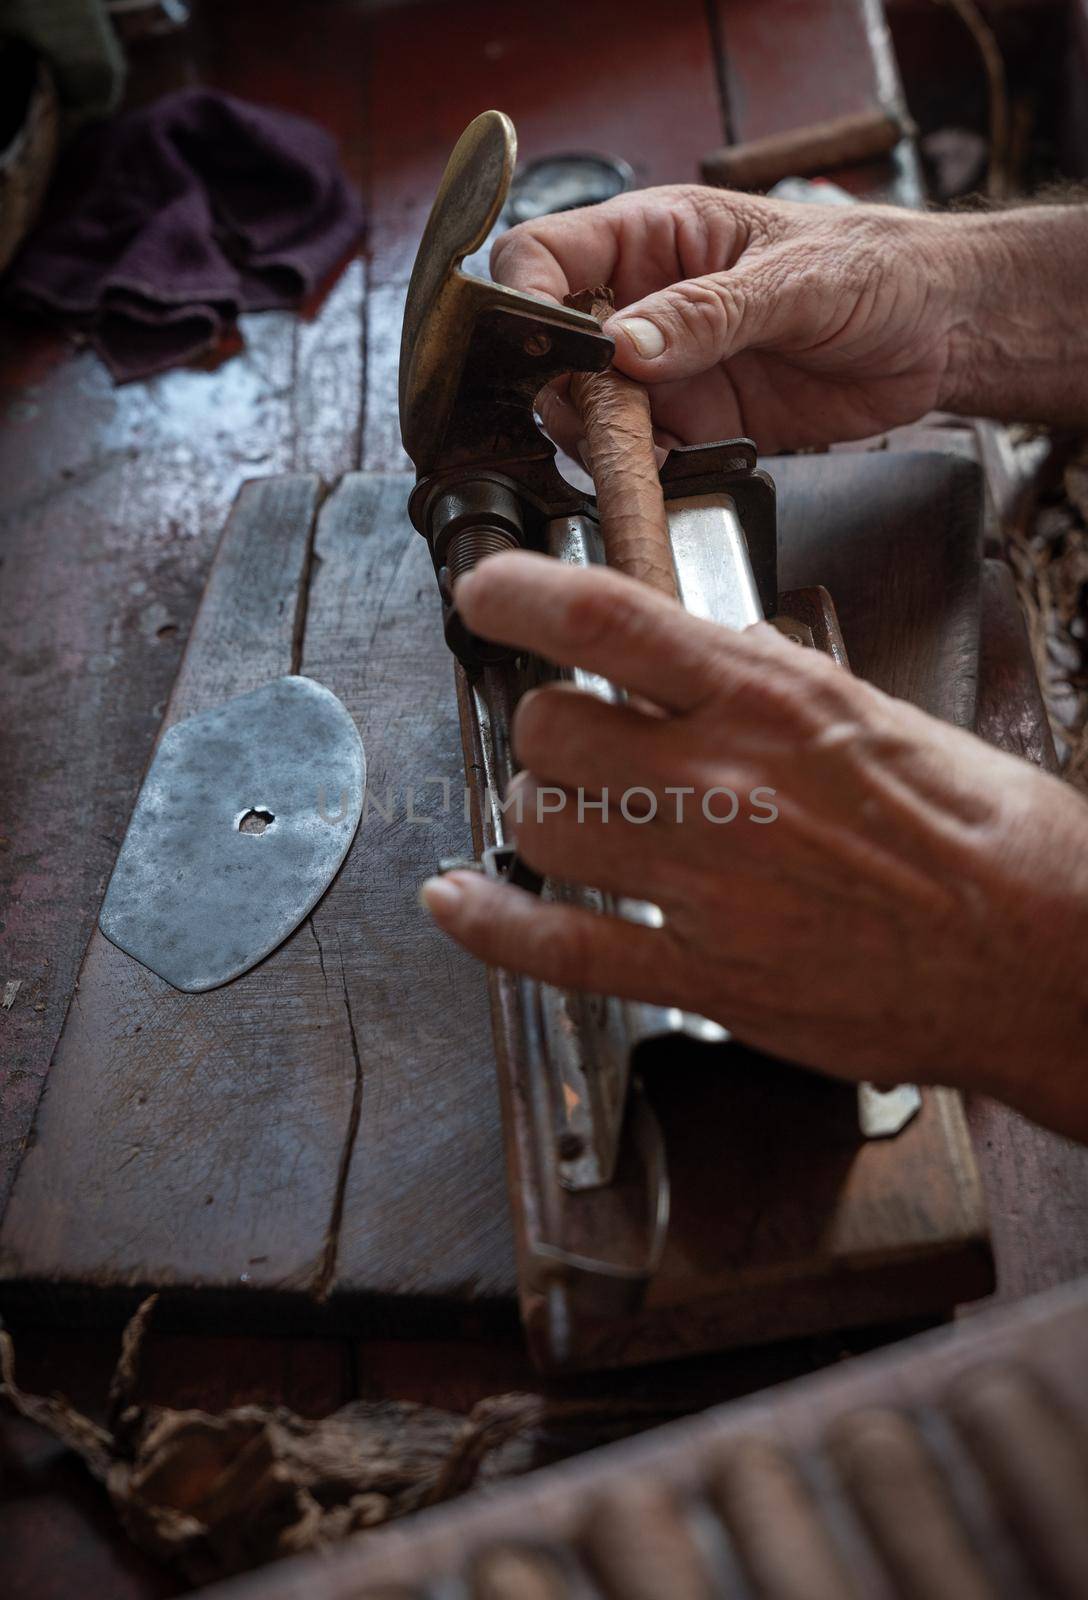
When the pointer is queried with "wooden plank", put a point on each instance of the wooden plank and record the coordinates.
(177, 1144)
(152, 1158)
(423, 1205)
(1036, 1182)
(931, 1391)
(784, 1222)
(113, 501)
(1011, 710)
(895, 538)
(373, 581)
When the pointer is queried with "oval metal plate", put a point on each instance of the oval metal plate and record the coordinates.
(205, 884)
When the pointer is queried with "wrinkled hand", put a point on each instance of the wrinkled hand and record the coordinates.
(915, 909)
(795, 324)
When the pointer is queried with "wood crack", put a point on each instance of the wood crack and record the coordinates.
(332, 1233)
(309, 561)
(320, 953)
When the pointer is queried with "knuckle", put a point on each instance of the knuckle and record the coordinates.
(727, 674)
(572, 956)
(813, 695)
(751, 218)
(543, 845)
(520, 258)
(791, 685)
(533, 724)
(508, 248)
(554, 728)
(601, 608)
(703, 308)
(477, 929)
(517, 237)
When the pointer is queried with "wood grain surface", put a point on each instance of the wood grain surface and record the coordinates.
(221, 1139)
(114, 498)
(323, 1133)
(895, 539)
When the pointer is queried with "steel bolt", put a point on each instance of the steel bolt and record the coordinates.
(471, 545)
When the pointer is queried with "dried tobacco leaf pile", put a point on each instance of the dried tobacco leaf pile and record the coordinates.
(213, 1495)
(1047, 546)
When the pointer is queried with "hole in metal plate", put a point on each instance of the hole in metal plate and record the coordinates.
(258, 819)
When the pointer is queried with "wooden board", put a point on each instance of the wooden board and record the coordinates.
(896, 540)
(114, 497)
(219, 1139)
(321, 1137)
(113, 500)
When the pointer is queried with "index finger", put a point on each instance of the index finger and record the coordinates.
(637, 243)
(556, 255)
(604, 622)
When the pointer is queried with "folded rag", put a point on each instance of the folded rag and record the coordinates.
(166, 223)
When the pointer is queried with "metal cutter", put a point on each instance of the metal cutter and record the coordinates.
(589, 1178)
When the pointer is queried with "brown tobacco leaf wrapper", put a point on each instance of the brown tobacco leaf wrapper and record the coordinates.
(216, 1494)
(615, 414)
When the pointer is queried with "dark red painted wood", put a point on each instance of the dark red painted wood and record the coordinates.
(573, 77)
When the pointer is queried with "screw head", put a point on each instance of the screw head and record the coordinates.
(537, 344)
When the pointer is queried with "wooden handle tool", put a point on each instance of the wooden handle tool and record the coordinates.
(802, 152)
(619, 440)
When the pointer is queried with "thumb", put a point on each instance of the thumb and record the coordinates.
(691, 326)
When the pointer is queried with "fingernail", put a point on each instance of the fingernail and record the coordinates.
(645, 335)
(440, 896)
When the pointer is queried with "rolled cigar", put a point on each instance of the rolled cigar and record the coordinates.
(821, 147)
(640, 1546)
(508, 1573)
(775, 1524)
(619, 438)
(904, 1501)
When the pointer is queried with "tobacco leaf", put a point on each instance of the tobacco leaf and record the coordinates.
(219, 1494)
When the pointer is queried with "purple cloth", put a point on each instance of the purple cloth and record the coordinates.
(167, 222)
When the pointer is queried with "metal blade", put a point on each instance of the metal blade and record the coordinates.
(244, 818)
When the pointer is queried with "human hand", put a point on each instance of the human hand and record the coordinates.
(804, 325)
(913, 910)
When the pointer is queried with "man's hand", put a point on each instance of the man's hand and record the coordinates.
(892, 898)
(806, 324)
